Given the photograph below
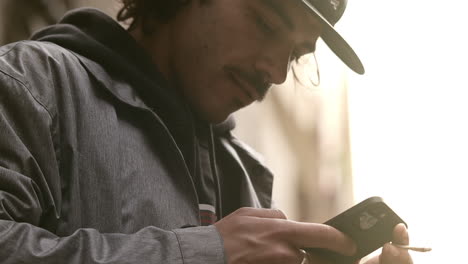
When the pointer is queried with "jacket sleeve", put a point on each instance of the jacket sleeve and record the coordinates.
(30, 195)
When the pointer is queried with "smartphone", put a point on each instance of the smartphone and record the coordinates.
(370, 224)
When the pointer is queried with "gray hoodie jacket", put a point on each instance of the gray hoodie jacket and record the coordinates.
(96, 154)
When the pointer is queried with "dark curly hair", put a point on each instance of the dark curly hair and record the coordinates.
(146, 11)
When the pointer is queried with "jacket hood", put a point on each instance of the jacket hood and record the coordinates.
(94, 35)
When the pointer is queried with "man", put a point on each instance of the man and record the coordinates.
(116, 146)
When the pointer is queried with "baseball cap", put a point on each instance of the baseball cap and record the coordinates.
(328, 13)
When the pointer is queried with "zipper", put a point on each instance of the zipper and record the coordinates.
(214, 169)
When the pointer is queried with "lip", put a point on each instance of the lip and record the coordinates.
(246, 88)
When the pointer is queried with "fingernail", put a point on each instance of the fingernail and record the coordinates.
(405, 234)
(406, 238)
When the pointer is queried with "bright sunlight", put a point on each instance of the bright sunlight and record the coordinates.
(408, 116)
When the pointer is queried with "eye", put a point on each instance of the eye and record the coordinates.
(264, 26)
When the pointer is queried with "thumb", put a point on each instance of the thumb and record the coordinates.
(262, 213)
(400, 235)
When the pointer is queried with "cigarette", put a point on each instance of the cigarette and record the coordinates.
(418, 249)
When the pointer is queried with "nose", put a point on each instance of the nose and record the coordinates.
(274, 63)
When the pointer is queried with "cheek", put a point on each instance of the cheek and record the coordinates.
(216, 95)
(199, 75)
(208, 92)
(214, 103)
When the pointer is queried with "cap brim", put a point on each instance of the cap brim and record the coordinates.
(336, 43)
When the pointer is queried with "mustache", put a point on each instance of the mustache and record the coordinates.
(255, 79)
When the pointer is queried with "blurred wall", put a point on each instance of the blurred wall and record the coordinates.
(20, 18)
(303, 134)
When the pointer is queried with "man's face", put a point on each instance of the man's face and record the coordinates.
(227, 53)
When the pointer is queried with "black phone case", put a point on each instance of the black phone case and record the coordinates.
(370, 224)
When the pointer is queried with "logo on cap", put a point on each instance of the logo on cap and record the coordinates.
(335, 4)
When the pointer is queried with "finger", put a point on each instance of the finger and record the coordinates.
(373, 260)
(311, 235)
(263, 213)
(400, 235)
(284, 254)
(393, 255)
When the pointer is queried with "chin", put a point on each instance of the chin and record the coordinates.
(216, 119)
(213, 117)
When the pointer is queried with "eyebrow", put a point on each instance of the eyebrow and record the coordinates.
(278, 8)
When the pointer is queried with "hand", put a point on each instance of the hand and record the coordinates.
(266, 236)
(391, 254)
